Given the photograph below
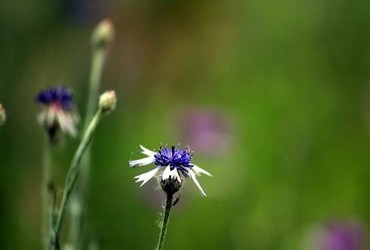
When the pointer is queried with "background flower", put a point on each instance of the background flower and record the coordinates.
(339, 235)
(209, 131)
(58, 111)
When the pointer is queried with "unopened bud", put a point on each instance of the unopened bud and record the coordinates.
(103, 34)
(2, 115)
(107, 101)
(170, 185)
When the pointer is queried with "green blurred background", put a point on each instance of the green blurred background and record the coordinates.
(272, 96)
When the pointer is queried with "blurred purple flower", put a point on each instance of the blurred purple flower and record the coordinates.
(343, 235)
(208, 131)
(337, 235)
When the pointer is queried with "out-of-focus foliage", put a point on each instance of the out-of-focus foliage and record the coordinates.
(284, 86)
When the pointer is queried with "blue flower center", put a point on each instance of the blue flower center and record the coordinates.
(59, 96)
(174, 157)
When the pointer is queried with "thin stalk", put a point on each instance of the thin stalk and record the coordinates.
(72, 176)
(78, 199)
(47, 173)
(166, 217)
(97, 64)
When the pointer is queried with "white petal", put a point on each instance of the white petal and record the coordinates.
(167, 173)
(147, 151)
(41, 117)
(199, 170)
(50, 116)
(142, 162)
(194, 178)
(67, 123)
(147, 176)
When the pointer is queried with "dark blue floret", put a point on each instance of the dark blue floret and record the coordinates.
(175, 158)
(57, 95)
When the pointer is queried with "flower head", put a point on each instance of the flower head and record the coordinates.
(58, 111)
(174, 163)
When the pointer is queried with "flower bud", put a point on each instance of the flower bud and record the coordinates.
(170, 185)
(2, 115)
(103, 34)
(107, 101)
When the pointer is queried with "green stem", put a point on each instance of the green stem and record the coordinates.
(72, 175)
(46, 182)
(166, 217)
(77, 201)
(98, 60)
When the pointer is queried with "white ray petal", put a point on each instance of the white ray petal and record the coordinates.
(147, 151)
(142, 162)
(146, 176)
(167, 173)
(66, 123)
(41, 117)
(50, 116)
(194, 178)
(199, 170)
